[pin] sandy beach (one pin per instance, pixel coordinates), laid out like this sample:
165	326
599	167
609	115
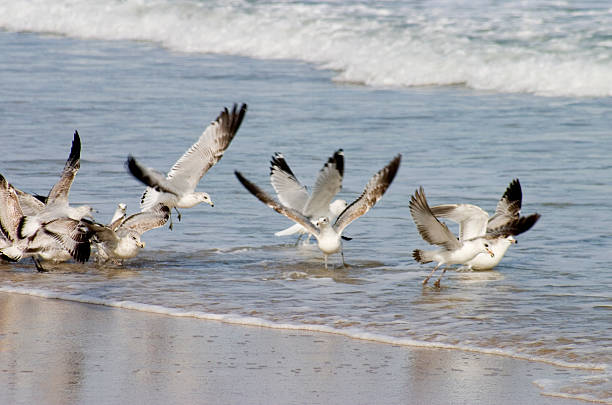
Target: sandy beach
59	352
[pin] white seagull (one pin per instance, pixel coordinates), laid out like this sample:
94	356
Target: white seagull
121	239
56	241
177	188
119	214
507	217
293	194
453	251
56	204
329	236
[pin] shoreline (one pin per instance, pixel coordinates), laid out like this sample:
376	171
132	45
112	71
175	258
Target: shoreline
57	351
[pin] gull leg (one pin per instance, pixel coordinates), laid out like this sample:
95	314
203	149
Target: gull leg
38	265
342	254
325	261
178	213
298	239
170	226
431	274
437	283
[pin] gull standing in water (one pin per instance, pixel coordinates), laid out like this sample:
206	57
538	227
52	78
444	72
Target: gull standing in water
121	238
56	240
329	236
56	204
453	251
293	194
507	217
177	188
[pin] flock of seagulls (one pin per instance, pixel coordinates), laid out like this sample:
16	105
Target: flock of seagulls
50	230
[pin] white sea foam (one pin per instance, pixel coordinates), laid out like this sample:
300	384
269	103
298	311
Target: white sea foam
548	49
353	333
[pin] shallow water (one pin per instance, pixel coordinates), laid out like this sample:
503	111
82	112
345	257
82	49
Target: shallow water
548	300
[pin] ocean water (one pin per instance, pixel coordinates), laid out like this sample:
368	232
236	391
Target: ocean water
473	94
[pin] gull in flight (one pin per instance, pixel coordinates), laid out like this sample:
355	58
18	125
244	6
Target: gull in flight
55	205
291	193
434	232
474	221
56	240
121	238
329	236
177	188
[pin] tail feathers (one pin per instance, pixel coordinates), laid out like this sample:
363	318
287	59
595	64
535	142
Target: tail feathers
296	228
421	256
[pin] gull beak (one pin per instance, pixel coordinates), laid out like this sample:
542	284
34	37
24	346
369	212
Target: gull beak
212	204
489	252
142	245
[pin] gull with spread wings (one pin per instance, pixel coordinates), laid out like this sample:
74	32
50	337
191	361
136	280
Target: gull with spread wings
177	188
434	232
55	205
474	221
293	194
329	236
120	239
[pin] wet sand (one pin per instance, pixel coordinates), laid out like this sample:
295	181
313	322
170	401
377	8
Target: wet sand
59	352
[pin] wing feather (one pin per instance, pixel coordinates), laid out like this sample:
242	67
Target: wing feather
327	185
59	192
209	148
509	206
147	220
472	219
290	213
373	191
10	210
289	190
430	228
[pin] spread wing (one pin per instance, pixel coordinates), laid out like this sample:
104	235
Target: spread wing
328	184
150	177
290	213
147	220
289	190
10	211
30	204
373	191
514	227
430	228
73	237
61	189
472	219
207	151
509	206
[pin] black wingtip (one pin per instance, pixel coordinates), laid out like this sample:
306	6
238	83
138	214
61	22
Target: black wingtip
514	193
75	151
338	159
278	162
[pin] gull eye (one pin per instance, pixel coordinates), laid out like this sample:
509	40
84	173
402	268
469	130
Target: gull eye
486	245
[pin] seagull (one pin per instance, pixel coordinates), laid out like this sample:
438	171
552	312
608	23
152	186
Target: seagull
177	188
507	216
121	239
453	251
329	236
293	194
56	241
55	205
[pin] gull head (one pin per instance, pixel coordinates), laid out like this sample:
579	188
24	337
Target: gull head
337	207
322	222
204	197
136	238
